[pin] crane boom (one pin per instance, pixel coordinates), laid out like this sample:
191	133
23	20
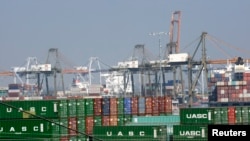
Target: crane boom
225	61
72	71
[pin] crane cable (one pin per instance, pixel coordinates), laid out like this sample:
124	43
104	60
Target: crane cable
214	41
245	51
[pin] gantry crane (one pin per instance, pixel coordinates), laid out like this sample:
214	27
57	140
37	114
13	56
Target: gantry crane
174	46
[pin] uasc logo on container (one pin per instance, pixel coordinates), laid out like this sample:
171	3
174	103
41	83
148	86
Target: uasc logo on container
130	133
199	116
193	133
39	128
20	109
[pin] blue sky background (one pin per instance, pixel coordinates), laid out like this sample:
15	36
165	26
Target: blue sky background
110	29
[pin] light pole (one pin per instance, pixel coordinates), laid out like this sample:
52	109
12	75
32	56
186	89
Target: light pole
159	34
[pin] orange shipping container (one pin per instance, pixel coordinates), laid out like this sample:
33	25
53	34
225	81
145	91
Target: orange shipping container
89	120
148	104
105	120
72	125
113	120
97	106
231	115
161	105
168	104
113	106
134	106
155	106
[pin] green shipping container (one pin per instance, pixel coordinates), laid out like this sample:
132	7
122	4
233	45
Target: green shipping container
221	115
29	109
238	115
159	120
224	115
120	120
190	133
127	119
80	107
167	120
120	106
217	116
97	121
245	110
29	129
71	108
89	107
81	124
64	126
63	108
129	133
196	115
83	138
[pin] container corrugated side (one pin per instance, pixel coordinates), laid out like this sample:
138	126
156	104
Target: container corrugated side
80	107
190	132
81	124
127	105
89	107
72	107
63	108
29	109
196	115
29	129
129	133
156	119
120	106
106	106
167	120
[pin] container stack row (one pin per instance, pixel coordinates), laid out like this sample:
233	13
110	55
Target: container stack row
194	121
228	88
73	118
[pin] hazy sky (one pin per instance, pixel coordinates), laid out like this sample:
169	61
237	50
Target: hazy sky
109	29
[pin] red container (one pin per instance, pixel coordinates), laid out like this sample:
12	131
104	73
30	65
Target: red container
14	94
97	106
72	125
89	123
168	104
113	106
113	120
64	138
155	106
231	115
161	104
134	105
105	120
148	106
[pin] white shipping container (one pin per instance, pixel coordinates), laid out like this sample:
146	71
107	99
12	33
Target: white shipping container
180	57
239	68
41	67
14	91
128	64
45	67
223	100
19	69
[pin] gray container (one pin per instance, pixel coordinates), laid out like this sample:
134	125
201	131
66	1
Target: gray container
141	105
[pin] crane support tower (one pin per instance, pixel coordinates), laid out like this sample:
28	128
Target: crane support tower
53	59
174	38
174	47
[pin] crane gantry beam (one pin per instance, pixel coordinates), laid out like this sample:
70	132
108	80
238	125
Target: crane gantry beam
6	73
83	71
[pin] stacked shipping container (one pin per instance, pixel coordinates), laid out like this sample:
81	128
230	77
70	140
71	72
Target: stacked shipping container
74	118
194	121
230	87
